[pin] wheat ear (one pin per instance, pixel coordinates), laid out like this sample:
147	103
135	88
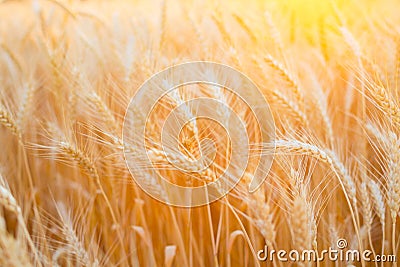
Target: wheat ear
226	37
328	156
25	106
245	27
300	219
385	102
379	207
87	165
393	182
391	145
290	106
10	203
366	206
95	100
74	243
286	76
7	121
274	32
8	200
12	252
264	218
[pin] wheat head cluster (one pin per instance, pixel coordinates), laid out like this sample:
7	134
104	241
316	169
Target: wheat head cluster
330	71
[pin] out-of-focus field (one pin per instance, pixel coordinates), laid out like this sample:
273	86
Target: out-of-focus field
330	71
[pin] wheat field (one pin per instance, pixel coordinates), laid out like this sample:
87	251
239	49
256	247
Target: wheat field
329	70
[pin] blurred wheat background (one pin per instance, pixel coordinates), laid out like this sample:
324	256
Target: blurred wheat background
330	71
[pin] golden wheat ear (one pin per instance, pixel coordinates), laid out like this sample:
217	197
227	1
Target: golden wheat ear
9	202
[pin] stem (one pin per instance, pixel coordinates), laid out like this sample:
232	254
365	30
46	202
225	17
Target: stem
372	246
29	239
353	217
394	240
244	230
113	217
383	242
180	239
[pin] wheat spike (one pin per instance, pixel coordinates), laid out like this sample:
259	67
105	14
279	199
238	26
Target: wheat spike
7	121
80	158
301	223
328	156
366	206
378	200
8	200
291	107
285	75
